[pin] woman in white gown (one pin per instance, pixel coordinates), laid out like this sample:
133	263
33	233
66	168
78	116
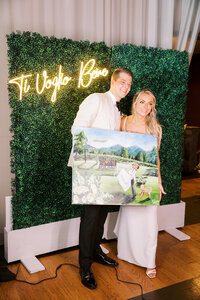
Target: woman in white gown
136	226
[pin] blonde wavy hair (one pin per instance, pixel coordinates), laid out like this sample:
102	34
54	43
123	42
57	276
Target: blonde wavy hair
152	125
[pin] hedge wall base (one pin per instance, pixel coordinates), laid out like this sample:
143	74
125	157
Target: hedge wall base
25	244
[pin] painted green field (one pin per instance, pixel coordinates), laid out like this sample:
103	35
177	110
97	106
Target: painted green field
108	181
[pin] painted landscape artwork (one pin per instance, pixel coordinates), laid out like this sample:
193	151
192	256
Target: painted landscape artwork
114	168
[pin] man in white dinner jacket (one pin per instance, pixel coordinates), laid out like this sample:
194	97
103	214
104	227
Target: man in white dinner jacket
99	110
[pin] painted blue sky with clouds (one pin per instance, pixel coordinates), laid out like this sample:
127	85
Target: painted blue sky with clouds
100	138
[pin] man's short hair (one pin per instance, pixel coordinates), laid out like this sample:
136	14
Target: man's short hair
117	72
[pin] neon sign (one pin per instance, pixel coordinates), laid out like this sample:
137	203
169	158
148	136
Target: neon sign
56	82
92	73
87	74
21	84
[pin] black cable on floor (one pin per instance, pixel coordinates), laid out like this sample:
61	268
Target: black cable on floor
72	265
34	283
130	282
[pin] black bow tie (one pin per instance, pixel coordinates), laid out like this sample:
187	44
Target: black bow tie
118	105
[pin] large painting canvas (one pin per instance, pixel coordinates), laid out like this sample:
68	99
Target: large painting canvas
114	168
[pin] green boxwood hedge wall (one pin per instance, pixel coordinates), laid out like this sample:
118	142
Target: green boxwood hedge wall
41	143
165	73
41	129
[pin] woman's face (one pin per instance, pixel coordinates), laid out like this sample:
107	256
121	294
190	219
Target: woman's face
144	105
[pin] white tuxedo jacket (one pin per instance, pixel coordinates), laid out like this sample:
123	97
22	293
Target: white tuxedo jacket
98	110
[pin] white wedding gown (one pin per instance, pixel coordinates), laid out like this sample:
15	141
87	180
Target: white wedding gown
137	232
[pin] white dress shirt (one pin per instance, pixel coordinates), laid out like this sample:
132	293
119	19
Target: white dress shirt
98	110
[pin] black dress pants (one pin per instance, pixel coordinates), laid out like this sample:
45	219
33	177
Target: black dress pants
91	232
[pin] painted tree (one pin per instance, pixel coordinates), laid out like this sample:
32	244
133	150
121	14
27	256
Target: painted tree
145	157
124	152
80	141
139	156
153	156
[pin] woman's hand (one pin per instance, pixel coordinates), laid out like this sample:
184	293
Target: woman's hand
161	191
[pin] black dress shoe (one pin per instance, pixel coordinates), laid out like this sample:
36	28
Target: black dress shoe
105	260
87	279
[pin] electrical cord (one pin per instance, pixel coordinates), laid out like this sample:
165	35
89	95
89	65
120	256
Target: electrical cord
130	282
72	265
45	279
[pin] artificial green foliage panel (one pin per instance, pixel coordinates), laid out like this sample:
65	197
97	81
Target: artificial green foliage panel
165	73
41	142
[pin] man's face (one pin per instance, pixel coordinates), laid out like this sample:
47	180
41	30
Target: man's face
121	87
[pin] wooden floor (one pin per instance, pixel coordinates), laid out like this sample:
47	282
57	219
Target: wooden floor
176	262
190	194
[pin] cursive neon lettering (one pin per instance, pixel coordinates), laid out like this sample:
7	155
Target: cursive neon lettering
48	83
19	81
88	73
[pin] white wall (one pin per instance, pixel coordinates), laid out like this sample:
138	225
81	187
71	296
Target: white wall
5	135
